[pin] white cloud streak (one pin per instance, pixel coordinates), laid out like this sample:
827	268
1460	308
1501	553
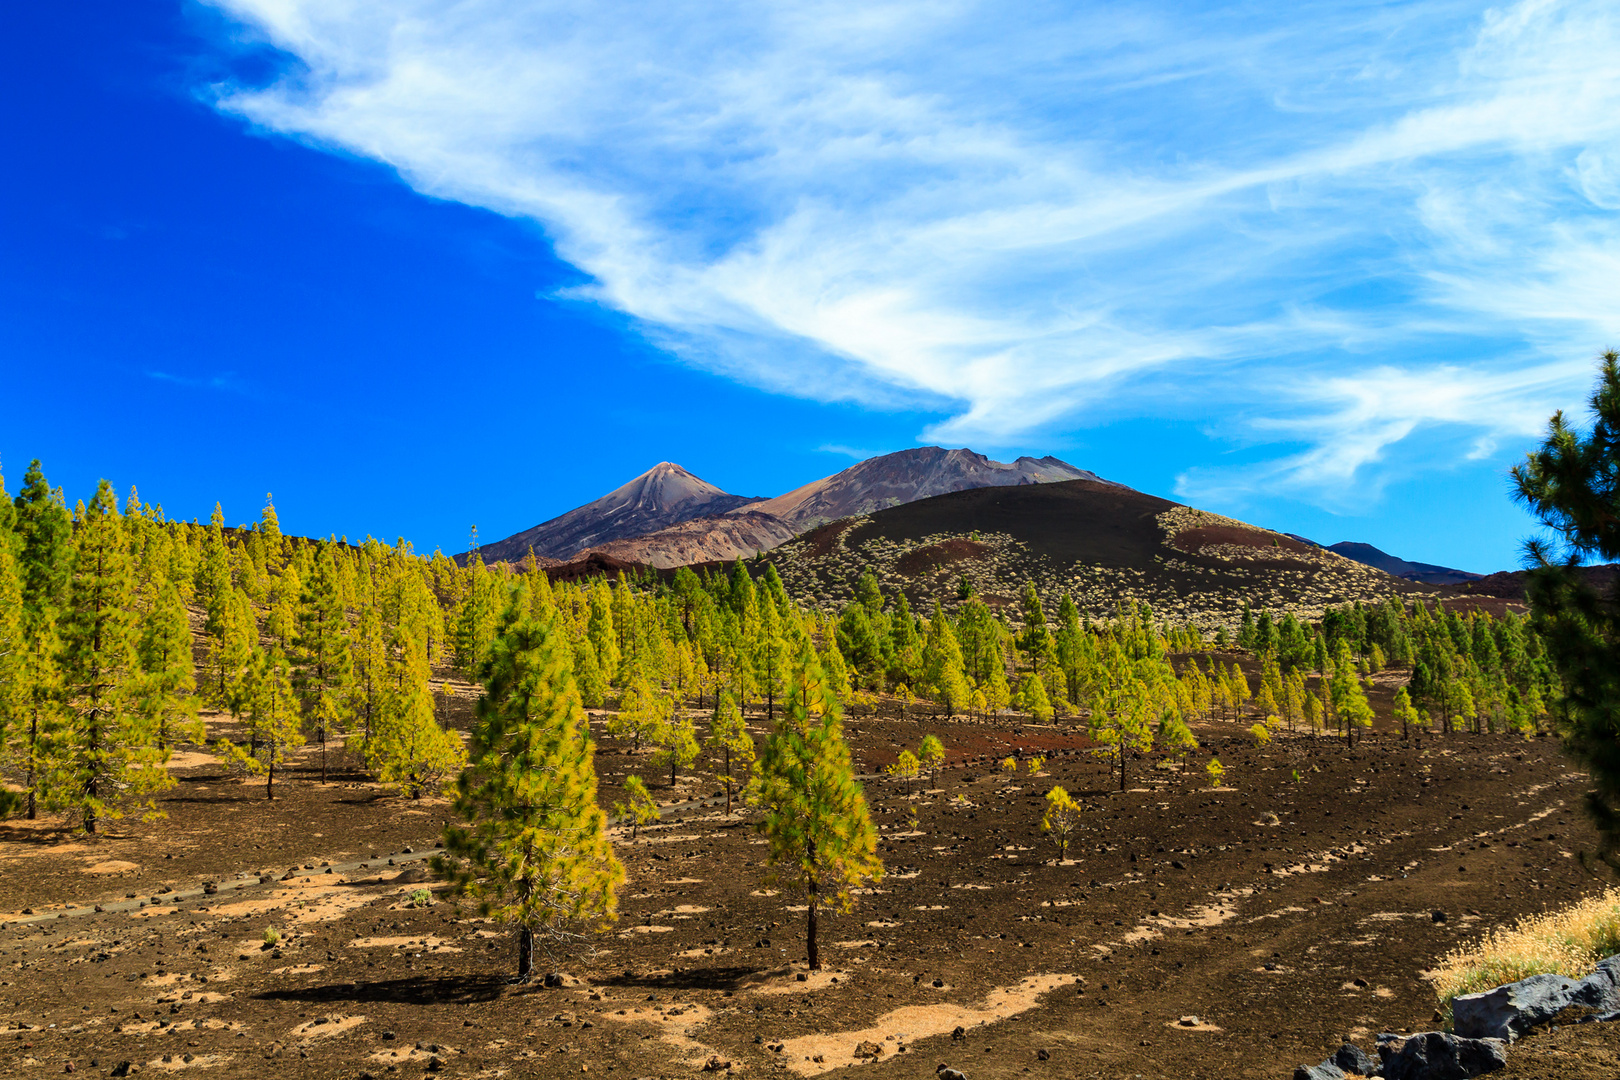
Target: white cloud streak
1333	231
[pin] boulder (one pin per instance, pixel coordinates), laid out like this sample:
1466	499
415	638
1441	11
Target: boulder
1435	1055
1348	1060
1509	1011
1600	990
1325	1071
1355	1061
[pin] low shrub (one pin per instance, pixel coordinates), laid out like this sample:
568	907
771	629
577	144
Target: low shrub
1566	942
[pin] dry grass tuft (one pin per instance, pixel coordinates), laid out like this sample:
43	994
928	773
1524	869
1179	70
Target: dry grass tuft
1566	942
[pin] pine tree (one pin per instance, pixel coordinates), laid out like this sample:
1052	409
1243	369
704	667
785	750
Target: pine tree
906	769
1036	636
165	692
1061	819
677	744
1404	712
1120	722
410	751
271	718
1032	696
638	805
729	738
325	664
14	675
44	547
1349	702
105	754
534	849
819	834
643	715
931	754
368	688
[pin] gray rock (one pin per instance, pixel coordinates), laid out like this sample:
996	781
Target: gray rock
1601	989
1325	1071
1355	1061
1509	1011
1435	1055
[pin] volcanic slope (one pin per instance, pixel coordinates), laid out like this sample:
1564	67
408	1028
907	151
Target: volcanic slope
664	495
1401	568
1100	542
890	480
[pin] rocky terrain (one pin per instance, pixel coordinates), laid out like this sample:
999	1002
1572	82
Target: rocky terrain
1193	933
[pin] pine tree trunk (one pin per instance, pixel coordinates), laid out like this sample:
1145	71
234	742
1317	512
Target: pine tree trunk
270	781
812	950
33	749
525	954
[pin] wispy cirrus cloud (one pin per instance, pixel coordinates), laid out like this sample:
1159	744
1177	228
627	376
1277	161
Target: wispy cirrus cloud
1332	231
225	380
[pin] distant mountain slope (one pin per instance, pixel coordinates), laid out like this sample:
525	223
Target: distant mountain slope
1509	584
906	476
1103	543
668	517
740	534
1428	573
664	495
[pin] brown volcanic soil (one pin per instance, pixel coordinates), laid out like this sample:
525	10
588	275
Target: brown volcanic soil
1281	938
1101	543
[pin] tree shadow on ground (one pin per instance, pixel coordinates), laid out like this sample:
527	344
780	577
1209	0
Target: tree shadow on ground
715	978
445	989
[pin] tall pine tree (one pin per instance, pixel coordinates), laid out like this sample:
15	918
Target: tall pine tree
533	848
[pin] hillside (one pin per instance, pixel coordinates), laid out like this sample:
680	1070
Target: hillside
667	517
907	476
664	495
1395	566
1101	542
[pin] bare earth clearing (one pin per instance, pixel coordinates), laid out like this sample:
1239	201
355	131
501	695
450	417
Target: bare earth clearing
1283	915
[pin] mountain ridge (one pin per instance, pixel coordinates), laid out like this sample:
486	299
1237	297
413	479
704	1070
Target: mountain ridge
669	517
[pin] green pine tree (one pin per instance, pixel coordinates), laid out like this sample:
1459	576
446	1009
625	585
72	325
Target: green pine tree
410	751
1568	484
820	837
106	756
165	694
43	536
275	727
534	849
325	667
730	740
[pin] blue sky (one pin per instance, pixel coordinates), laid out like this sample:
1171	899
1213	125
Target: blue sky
429	264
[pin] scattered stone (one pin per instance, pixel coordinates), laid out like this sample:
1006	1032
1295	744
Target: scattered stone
1507	1012
210	888
415	875
1437	916
1325	1071
1043	1055
939	984
1435	1055
959	1034
714	1064
802	977
553	981
1355	1061
124	1068
943	1072
868	1049
1188	1021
